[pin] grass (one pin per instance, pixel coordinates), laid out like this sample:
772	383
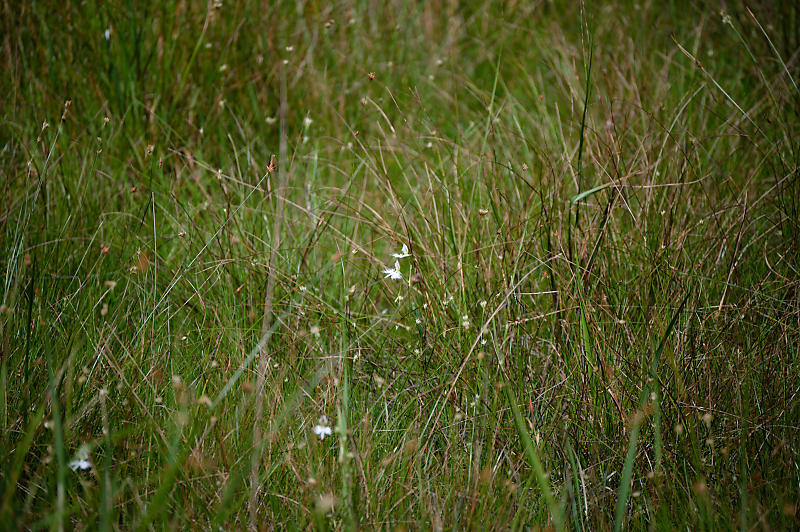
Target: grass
598	320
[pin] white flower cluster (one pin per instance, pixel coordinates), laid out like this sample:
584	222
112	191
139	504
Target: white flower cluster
394	273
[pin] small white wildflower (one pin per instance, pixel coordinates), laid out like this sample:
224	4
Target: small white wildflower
290	48
81	460
403	253
483	304
465	321
307	121
394	273
322	428
223	67
315	330
271	120
107	34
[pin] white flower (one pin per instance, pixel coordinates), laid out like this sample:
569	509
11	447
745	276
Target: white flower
107	34
307	121
403	253
83	465
81	460
322	429
394	273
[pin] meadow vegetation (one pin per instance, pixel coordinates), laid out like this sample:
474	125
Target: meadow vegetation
386	265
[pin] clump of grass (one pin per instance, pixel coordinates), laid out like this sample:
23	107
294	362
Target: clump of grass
387	266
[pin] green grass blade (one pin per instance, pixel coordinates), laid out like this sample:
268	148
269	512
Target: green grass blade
533	456
630	455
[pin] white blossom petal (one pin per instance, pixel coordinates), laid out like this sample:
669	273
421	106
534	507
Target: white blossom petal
394	273
83	465
322	429
403	253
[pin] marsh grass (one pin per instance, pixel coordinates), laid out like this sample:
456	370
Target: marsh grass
596	326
